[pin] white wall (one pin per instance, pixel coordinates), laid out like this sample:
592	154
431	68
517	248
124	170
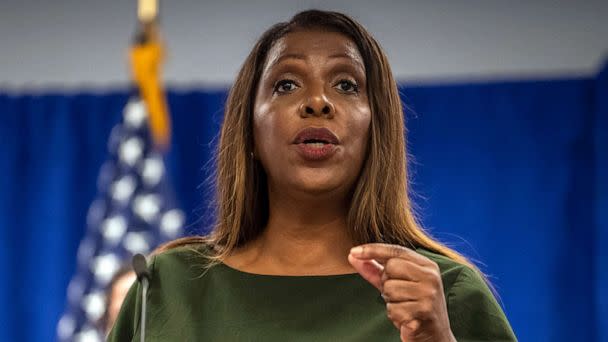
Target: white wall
78	44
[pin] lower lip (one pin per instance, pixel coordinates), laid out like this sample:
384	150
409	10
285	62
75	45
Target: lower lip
314	153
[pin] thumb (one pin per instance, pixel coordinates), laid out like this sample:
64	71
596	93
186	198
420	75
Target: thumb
369	269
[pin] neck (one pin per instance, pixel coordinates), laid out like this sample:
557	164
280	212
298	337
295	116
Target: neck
306	235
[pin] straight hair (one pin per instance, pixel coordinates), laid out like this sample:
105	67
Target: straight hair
380	210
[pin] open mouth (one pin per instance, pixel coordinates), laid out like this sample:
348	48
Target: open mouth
316	143
314	136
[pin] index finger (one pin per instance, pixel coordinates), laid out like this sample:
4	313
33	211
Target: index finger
381	252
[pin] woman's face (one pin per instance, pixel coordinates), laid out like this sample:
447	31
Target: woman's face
311	113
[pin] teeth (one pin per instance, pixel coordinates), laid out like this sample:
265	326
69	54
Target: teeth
316	144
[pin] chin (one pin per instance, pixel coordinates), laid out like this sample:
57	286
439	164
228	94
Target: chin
316	189
314	181
318	185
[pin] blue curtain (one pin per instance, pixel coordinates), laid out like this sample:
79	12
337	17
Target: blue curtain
514	174
600	205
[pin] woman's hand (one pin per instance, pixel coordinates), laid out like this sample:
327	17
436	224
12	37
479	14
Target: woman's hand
411	286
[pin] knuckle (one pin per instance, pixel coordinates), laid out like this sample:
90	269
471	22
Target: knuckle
364	249
426	308
391	263
434	277
395	251
436	281
391	267
432	293
404	317
434	265
389	288
393	313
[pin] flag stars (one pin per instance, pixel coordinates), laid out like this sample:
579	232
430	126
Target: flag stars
88	334
106	174
135	114
131	151
66	327
94	305
96	212
123	189
75	290
116	137
171	222
86	250
147	206
114	228
132	214
152	171
136	243
104	267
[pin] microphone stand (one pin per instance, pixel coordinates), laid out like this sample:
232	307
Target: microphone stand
143	276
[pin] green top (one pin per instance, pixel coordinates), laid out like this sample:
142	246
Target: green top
185	303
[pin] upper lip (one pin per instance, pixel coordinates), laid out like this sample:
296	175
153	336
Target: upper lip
316	133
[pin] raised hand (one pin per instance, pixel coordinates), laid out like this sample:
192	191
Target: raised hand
411	287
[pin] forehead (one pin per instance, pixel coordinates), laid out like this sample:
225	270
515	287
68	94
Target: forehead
312	44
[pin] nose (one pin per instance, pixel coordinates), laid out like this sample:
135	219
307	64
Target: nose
317	105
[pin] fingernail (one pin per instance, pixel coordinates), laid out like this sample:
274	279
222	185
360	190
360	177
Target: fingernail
356	250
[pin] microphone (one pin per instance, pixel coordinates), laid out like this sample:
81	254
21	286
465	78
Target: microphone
140	267
143	276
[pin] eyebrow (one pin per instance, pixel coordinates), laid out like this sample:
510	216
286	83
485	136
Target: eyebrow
286	56
349	56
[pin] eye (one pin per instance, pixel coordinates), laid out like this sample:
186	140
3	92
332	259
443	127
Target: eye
348	86
285	86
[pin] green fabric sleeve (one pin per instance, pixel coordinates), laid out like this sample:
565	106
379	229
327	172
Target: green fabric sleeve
475	315
125	323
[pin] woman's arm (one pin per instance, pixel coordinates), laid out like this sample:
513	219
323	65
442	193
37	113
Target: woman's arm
426	301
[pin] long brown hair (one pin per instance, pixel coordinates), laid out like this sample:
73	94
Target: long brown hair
380	210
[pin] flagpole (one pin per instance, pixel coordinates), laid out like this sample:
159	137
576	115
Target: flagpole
146	57
134	209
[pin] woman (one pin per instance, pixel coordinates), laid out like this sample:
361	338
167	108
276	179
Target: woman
315	237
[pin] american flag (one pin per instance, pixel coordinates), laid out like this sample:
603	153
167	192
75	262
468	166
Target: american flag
133	212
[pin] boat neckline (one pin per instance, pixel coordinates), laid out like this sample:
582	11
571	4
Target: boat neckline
288	276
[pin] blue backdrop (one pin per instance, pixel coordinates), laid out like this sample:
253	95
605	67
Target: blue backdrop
514	174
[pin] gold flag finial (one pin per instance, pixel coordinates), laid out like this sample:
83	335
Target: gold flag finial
147	10
146	57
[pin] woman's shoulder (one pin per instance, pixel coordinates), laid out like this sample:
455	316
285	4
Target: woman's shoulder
175	269
451	270
181	258
474	312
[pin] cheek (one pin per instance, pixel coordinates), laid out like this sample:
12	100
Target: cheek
360	126
273	124
270	131
262	127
